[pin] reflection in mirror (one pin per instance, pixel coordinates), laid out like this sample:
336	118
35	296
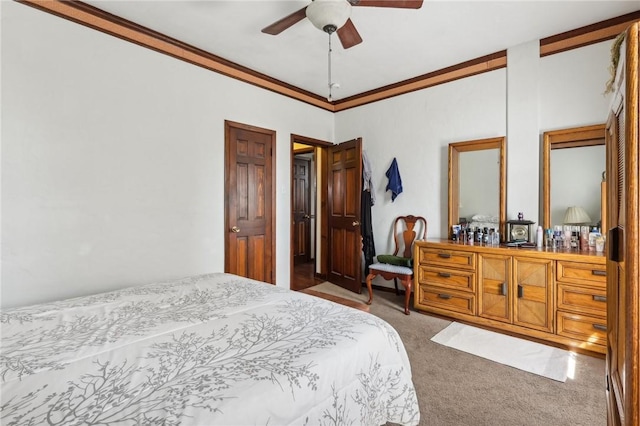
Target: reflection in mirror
477	183
573	165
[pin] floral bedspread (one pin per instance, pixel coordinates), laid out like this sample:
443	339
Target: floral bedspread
213	349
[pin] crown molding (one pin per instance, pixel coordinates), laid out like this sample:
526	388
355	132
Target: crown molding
97	19
590	34
480	65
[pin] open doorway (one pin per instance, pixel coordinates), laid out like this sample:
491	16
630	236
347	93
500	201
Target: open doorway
308	220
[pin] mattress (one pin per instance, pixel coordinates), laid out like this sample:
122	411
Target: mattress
214	349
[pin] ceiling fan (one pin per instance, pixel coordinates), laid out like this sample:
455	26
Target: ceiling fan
333	15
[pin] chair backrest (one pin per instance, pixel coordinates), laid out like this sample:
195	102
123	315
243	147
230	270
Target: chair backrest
409	235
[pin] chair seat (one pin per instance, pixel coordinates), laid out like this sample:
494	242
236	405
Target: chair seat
394	269
395	260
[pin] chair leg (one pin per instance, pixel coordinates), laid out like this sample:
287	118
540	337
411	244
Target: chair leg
407	282
395	281
370	278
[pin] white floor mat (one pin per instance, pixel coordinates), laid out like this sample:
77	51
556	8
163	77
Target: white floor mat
523	354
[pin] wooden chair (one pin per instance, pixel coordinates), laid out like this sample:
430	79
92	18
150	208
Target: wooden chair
399	267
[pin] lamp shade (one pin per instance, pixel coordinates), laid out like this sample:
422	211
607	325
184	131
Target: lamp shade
328	15
576	215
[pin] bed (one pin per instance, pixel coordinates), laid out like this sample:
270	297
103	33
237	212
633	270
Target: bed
214	349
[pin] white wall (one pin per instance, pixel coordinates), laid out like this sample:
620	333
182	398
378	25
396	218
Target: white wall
416	129
113	160
571	87
112	154
522	134
531	96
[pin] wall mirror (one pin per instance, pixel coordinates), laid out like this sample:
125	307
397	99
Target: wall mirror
477	183
573	164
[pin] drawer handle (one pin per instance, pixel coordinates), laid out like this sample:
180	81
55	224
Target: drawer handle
444	296
444	274
520	291
600	298
444	255
503	289
600	327
599	273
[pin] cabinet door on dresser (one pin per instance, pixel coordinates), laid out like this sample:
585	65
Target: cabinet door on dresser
494	287
533	285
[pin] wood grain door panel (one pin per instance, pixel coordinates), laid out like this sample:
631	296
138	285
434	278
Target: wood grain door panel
533	292
495	295
249	217
301	210
344	193
615	358
623	239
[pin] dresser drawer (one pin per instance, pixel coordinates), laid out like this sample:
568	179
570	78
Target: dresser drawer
449	258
448	278
581	273
582	327
592	301
464	303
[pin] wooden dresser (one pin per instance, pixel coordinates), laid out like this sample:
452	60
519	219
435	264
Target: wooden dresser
555	296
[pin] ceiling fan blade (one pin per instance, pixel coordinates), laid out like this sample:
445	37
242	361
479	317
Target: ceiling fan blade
400	4
284	23
348	35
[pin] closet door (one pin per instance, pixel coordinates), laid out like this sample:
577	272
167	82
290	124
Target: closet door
623	244
615	362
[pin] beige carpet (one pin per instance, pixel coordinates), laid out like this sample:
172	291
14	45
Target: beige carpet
334	298
455	388
332	289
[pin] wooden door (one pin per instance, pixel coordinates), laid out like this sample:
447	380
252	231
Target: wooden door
301	210
623	242
249	195
533	293
495	293
344	192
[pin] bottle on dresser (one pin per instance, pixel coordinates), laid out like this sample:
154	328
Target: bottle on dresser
539	237
593	235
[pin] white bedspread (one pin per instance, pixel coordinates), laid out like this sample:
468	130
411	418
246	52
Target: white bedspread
214	349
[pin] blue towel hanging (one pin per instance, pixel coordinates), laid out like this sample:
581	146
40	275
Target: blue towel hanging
395	182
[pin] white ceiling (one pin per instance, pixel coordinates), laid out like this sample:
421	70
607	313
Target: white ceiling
398	44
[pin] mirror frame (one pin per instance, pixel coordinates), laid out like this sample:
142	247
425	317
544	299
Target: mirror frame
454	176
566	138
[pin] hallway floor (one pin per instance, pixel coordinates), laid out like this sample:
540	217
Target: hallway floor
304	276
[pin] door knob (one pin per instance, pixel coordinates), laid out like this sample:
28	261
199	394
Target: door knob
355	223
235	229
306	216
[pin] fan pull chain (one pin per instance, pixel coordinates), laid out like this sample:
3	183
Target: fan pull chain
330	85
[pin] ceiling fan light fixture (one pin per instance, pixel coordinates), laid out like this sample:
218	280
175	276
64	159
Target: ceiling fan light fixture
328	15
